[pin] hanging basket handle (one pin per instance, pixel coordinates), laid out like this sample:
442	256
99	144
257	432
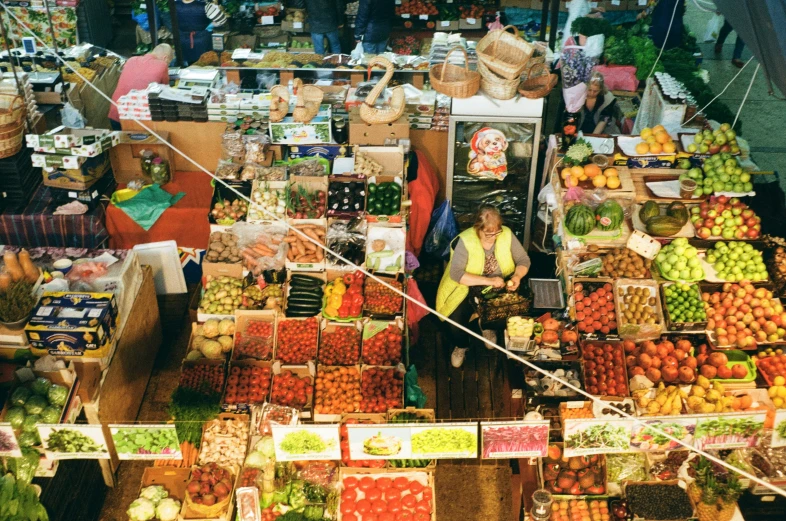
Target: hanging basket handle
445	64
499	33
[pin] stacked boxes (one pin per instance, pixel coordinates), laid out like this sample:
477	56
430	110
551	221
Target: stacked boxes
163	109
134	105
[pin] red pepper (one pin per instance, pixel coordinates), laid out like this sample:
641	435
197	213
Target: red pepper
354	289
356	299
355	309
343	312
359	277
349	279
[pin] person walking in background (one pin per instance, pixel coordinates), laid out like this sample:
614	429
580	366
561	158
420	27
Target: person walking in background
739	45
138	73
325	17
372	25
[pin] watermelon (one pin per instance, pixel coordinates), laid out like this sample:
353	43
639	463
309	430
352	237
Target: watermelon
609	215
580	220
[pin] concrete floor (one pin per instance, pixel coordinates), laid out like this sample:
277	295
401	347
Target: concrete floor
761	113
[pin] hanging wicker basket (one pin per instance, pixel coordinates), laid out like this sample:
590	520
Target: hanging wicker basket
452	80
378	115
496	86
538	83
11	109
279	103
309	99
11	141
504	53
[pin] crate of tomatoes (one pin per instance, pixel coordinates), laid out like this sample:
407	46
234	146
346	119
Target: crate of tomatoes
255	335
380	301
293	386
382	342
339	344
336	392
382	388
297	340
405	494
248	384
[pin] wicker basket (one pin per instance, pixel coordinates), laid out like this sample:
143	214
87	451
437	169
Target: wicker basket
309	98
539	82
11	141
494	86
504	53
11	108
279	109
452	80
376	115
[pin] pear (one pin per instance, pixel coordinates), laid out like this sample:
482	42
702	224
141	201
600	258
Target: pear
703	382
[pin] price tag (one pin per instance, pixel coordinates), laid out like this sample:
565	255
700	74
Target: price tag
398	2
405	15
449	1
267	20
642	2
471	21
297	25
616	2
574	405
423	17
240	54
444	23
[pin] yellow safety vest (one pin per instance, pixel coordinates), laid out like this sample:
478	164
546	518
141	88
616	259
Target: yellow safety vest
450	293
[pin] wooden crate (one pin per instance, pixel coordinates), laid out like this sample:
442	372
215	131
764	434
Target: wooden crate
126	155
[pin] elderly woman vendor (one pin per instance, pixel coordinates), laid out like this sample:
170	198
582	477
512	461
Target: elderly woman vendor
487	254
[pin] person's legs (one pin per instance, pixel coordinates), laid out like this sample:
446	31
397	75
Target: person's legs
457	337
335	42
369	48
381	46
739	45
722	35
318	39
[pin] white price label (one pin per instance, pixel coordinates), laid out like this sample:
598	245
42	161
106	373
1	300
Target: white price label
642	2
268	20
405	15
616	2
471	20
398	2
297	25
444	23
423	17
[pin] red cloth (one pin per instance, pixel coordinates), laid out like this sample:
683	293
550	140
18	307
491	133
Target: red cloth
619	77
186	222
422	192
414	312
138	73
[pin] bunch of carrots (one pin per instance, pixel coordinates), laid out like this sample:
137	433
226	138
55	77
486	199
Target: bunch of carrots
190	454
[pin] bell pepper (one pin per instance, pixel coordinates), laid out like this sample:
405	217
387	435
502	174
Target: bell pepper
335	301
338	287
343	310
354	289
349	279
331	311
355	309
359	277
356	299
329	290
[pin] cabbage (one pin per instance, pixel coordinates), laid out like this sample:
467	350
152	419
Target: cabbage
35	404
28	439
154	493
20	396
51	414
266	447
41	386
141	510
256	460
30	422
168	509
15	415
57	395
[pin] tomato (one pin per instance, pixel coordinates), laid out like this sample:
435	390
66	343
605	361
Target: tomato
423	506
394	505
373	494
349	517
363	506
392	494
370	517
350	483
349	495
405	516
347	507
415	487
421	516
400	483
384	483
366	483
427	493
409	501
386	516
379	506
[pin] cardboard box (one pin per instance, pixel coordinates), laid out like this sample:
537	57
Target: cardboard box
73	324
174	480
447	25
471	23
295	27
79	178
376	180
301	40
333	418
242	320
126	155
362	133
245	368
301	371
275	42
290	132
70	141
331	327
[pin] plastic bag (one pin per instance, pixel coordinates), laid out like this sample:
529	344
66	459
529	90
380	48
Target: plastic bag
594	46
713	28
414	395
357	53
575	97
71	117
257	241
442	230
348	239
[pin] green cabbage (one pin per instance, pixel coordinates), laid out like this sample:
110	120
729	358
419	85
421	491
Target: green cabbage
20	396
41	386
51	414
154	493
35	404
15	415
30	422
57	395
168	509
28	439
141	510
266	447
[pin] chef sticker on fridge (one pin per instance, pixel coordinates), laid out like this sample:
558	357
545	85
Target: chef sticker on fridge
487	157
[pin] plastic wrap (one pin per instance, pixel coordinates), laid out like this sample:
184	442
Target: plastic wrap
227	170
348	239
232	145
261	246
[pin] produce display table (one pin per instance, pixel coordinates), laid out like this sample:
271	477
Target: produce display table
37	226
185	222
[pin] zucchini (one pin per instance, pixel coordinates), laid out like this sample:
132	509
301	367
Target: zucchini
305	280
307	292
304	303
301	313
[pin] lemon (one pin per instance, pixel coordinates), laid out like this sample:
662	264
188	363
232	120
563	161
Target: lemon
781	392
772	392
779	380
777	402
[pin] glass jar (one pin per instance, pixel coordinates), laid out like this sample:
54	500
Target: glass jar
340	131
570	128
159	171
147	157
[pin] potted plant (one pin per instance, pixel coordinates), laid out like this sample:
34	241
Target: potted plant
715	491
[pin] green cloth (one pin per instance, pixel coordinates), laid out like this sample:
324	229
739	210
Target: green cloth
147	206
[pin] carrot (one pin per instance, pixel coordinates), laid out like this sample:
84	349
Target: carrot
290	239
320	255
263	250
312	234
250	260
291	254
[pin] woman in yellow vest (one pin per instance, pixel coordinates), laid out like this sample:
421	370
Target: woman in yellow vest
485	255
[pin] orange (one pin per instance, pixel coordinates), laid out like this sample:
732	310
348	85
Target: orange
577	171
658	128
611	172
651	140
662	138
599	181
583	178
565	173
642	148
612	183
656	148
646	132
669	147
591	170
572	181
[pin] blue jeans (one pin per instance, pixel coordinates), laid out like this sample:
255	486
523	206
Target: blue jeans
375	47
318	39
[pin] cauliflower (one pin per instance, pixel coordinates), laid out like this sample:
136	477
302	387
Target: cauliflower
226	327
154	493
168	509
141	510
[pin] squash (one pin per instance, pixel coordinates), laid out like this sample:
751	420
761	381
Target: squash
679	211
649	210
664	226
30	270
12	266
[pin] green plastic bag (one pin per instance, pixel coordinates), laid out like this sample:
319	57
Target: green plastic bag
413	393
147	206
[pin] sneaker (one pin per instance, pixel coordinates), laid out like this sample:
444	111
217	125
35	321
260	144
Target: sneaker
738	63
491	336
457	358
718	48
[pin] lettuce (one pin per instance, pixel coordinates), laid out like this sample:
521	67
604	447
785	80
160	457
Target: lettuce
51	414
57	395
41	386
35	404
154	493
20	396
15	415
141	510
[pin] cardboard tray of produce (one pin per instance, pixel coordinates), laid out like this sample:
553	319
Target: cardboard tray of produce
673	482
689	327
424	476
639	332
